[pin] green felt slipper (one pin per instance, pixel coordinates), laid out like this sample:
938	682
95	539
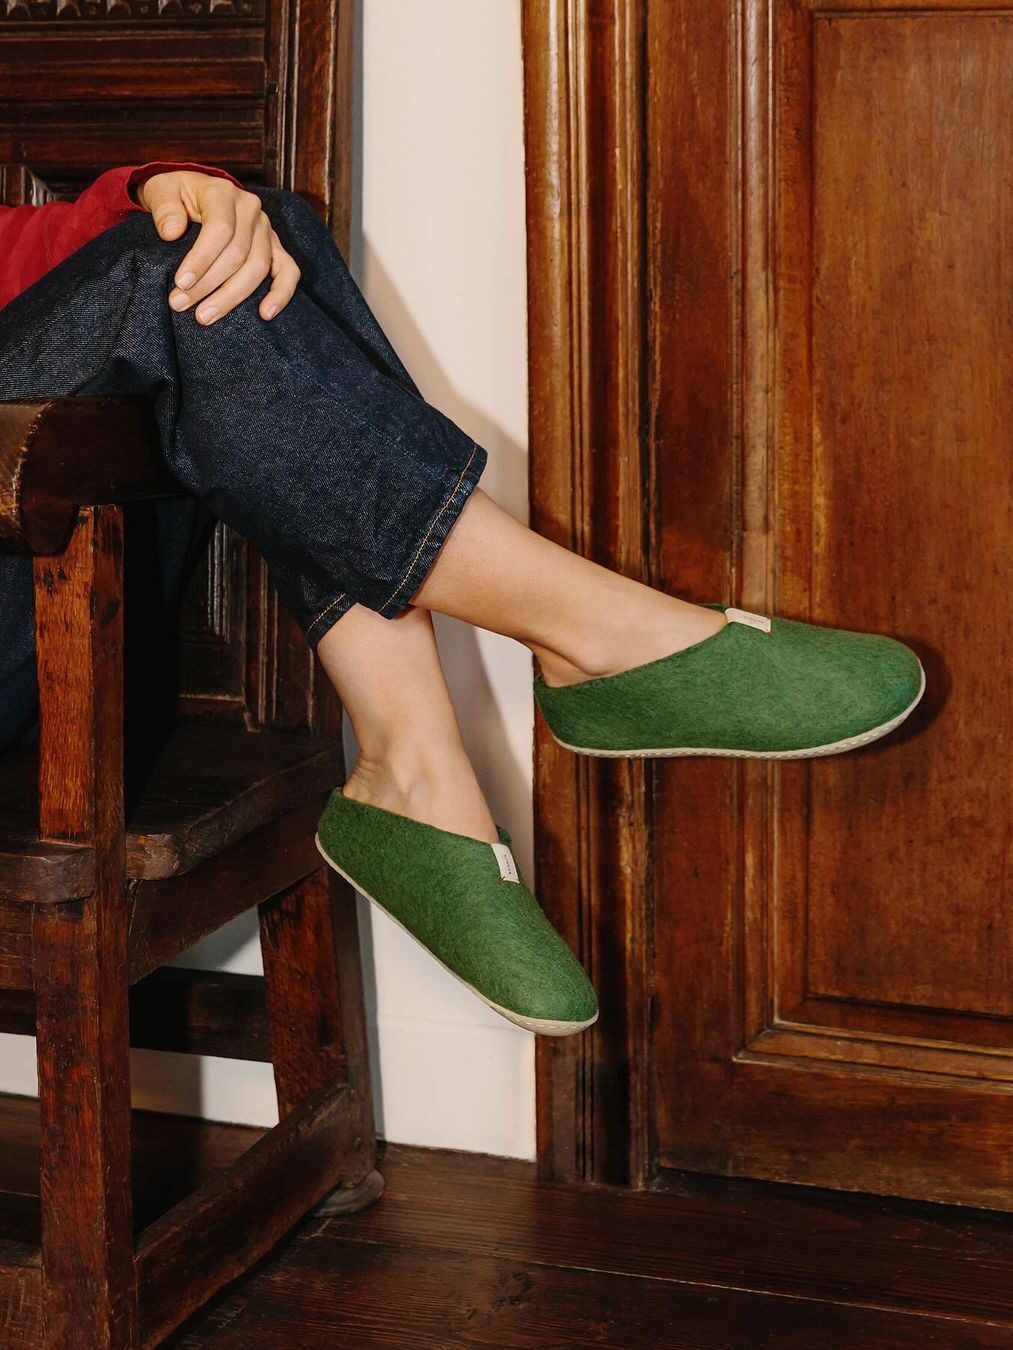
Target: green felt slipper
758	689
466	903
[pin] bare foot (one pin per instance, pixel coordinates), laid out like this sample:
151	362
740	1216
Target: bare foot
430	787
652	625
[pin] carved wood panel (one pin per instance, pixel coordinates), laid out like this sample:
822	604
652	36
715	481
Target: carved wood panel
39	11
259	87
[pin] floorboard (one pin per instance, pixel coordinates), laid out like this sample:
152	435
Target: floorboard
474	1251
331	1291
465	1250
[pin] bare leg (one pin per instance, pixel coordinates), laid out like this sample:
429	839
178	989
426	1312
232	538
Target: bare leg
411	759
579	619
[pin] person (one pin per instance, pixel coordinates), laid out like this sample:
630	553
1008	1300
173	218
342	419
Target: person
284	411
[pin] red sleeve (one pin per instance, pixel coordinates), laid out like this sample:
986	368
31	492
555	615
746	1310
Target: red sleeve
34	239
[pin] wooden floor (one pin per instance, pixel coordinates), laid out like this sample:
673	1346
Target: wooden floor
473	1251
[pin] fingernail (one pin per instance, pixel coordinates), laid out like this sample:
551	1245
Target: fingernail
270	311
185	281
208	314
179	300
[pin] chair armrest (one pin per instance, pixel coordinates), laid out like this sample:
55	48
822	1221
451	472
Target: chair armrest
59	454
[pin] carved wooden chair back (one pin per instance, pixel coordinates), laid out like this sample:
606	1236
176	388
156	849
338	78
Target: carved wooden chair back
261	88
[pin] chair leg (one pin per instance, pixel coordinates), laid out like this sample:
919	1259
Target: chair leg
80	949
313	976
84	1098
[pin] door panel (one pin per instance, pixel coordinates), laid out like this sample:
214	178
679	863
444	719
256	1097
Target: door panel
833	941
912	491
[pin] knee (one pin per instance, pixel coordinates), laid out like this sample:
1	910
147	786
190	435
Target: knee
137	242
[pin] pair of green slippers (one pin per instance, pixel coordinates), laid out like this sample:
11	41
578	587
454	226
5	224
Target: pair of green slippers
759	689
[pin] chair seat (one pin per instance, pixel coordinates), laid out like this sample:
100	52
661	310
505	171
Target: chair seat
209	786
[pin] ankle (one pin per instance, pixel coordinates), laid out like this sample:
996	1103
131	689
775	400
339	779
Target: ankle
402	772
655	628
558	670
436	786
596	654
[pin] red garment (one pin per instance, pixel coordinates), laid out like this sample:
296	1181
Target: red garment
35	238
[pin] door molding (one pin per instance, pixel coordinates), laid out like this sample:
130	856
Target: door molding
590	471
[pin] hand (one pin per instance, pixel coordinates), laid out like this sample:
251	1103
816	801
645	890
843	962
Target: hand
234	251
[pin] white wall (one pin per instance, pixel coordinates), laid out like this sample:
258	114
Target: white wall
442	263
439	252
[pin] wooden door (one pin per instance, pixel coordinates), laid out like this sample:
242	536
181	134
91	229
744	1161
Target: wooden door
820	201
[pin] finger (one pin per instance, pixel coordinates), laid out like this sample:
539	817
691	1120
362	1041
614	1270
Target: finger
167	207
231	255
240	285
217	212
286	274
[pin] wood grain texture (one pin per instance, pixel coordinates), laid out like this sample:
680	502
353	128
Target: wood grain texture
301	984
588	489
59	454
331	1289
197	1012
911	421
222	814
209	787
467	1250
80	950
263	90
313	984
37	872
171	1157
59	11
226	1224
825	405
169	915
711	524
866	940
15	946
471	1250
21	1306
203	789
201	1012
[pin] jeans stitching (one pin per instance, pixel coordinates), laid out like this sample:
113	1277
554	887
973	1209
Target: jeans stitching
325	611
432	526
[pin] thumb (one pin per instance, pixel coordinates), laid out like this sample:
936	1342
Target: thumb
168	210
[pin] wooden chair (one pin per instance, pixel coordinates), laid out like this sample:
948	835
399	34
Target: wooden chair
117	856
91	905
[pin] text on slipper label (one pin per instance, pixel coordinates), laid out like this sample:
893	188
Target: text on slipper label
507	867
759	621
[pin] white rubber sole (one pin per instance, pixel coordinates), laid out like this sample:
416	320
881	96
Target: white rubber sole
815	752
540	1026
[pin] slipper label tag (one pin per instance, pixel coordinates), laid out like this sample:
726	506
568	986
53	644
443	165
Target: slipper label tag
758	621
507	866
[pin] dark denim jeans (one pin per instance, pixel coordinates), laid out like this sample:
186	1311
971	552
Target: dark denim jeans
305	434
